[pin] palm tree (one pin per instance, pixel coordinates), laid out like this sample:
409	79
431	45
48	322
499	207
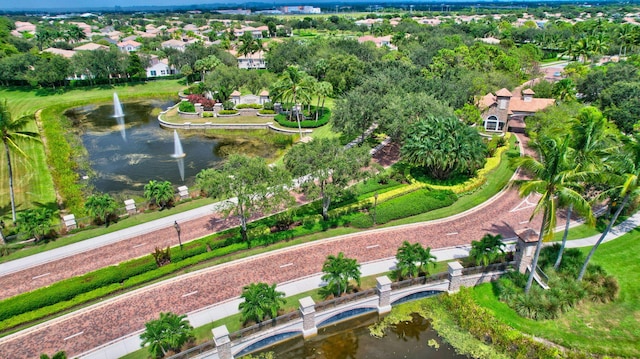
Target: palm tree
12	134
592	137
487	250
407	256
552	178
160	193
426	259
323	89
292	82
101	207
338	271
260	300
627	188
57	355
170	332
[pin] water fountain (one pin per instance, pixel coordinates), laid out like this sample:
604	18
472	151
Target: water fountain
119	115
178	153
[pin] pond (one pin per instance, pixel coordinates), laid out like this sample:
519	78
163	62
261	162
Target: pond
351	340
124	164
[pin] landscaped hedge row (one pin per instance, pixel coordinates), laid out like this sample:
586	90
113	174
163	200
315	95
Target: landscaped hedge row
248	105
283	120
417	202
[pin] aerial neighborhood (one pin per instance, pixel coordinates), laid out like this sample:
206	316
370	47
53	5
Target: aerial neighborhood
320	181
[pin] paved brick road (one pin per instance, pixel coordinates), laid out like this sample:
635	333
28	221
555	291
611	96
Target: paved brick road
101	323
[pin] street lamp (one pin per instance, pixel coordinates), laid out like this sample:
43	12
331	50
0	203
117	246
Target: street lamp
177	227
375	204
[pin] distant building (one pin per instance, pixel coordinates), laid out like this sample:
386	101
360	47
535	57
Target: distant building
91	47
379	41
305	9
250	61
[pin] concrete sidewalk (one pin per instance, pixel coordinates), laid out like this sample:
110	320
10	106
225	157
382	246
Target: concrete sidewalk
106	239
130	343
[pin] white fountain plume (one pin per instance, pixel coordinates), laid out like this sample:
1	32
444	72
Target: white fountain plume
178	153
119	115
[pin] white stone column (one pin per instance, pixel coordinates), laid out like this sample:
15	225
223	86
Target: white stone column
130	206
455	276
183	191
383	286
308	311
223	344
70	221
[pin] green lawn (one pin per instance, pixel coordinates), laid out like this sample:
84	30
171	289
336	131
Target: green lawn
606	329
33	183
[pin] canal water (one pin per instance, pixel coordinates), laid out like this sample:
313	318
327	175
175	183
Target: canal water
351	339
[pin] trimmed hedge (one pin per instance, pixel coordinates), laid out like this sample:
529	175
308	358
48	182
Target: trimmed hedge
248	105
228	112
186	106
283	120
414	203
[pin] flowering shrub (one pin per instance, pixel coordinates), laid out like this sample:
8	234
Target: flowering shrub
207	104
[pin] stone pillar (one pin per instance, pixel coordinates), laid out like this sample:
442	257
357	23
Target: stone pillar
130	206
308	311
183	191
70	222
199	109
223	344
455	276
525	248
383	285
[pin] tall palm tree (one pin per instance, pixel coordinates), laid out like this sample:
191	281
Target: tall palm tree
553	179
407	258
592	138
627	187
169	332
292	82
159	192
339	270
13	132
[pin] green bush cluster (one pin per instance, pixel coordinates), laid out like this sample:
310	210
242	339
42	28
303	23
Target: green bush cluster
207	114
186	106
228	112
414	203
283	120
267	112
61	155
483	325
565	291
228	105
248	105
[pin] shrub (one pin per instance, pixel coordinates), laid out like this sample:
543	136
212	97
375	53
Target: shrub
249	105
186	106
228	105
207	114
228	112
283	120
267	112
268	106
206	103
416	202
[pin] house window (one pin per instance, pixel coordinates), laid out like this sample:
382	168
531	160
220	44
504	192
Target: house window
153	73
492	124
502	104
163	72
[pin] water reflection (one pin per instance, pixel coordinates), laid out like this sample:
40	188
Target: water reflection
351	340
125	167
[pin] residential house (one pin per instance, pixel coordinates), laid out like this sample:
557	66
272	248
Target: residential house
379	41
159	67
504	111
250	61
174	44
129	46
90	46
64	53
